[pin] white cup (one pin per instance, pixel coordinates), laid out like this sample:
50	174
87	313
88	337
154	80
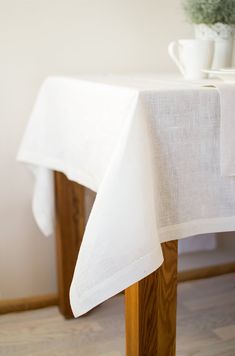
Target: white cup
192	56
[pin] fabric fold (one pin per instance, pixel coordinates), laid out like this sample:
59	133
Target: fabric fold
227	128
130	183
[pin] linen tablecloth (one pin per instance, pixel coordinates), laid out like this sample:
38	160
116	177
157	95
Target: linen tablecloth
227	128
151	151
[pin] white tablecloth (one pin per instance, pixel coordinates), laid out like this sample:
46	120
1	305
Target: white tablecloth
150	149
227	128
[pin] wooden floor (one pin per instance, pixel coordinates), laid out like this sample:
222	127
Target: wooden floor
205	326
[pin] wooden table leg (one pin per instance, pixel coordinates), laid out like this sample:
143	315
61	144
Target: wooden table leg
70	224
151	310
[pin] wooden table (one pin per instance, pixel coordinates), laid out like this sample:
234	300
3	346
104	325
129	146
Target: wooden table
150	304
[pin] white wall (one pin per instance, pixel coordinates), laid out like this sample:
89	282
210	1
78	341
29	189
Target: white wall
49	37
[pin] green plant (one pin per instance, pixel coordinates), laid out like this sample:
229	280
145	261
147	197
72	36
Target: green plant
210	11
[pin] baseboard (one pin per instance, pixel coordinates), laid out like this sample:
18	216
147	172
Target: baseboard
29	303
206	272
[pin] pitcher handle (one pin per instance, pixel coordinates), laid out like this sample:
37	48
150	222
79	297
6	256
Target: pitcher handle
172	50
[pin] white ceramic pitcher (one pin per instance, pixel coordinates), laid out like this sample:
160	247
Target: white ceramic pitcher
192	56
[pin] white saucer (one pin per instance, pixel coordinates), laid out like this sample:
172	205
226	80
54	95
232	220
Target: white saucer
226	74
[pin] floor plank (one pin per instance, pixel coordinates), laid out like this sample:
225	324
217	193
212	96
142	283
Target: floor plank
205	327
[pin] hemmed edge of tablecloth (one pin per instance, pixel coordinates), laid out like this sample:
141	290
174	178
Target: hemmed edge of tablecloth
78	176
145	265
116	283
196	227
